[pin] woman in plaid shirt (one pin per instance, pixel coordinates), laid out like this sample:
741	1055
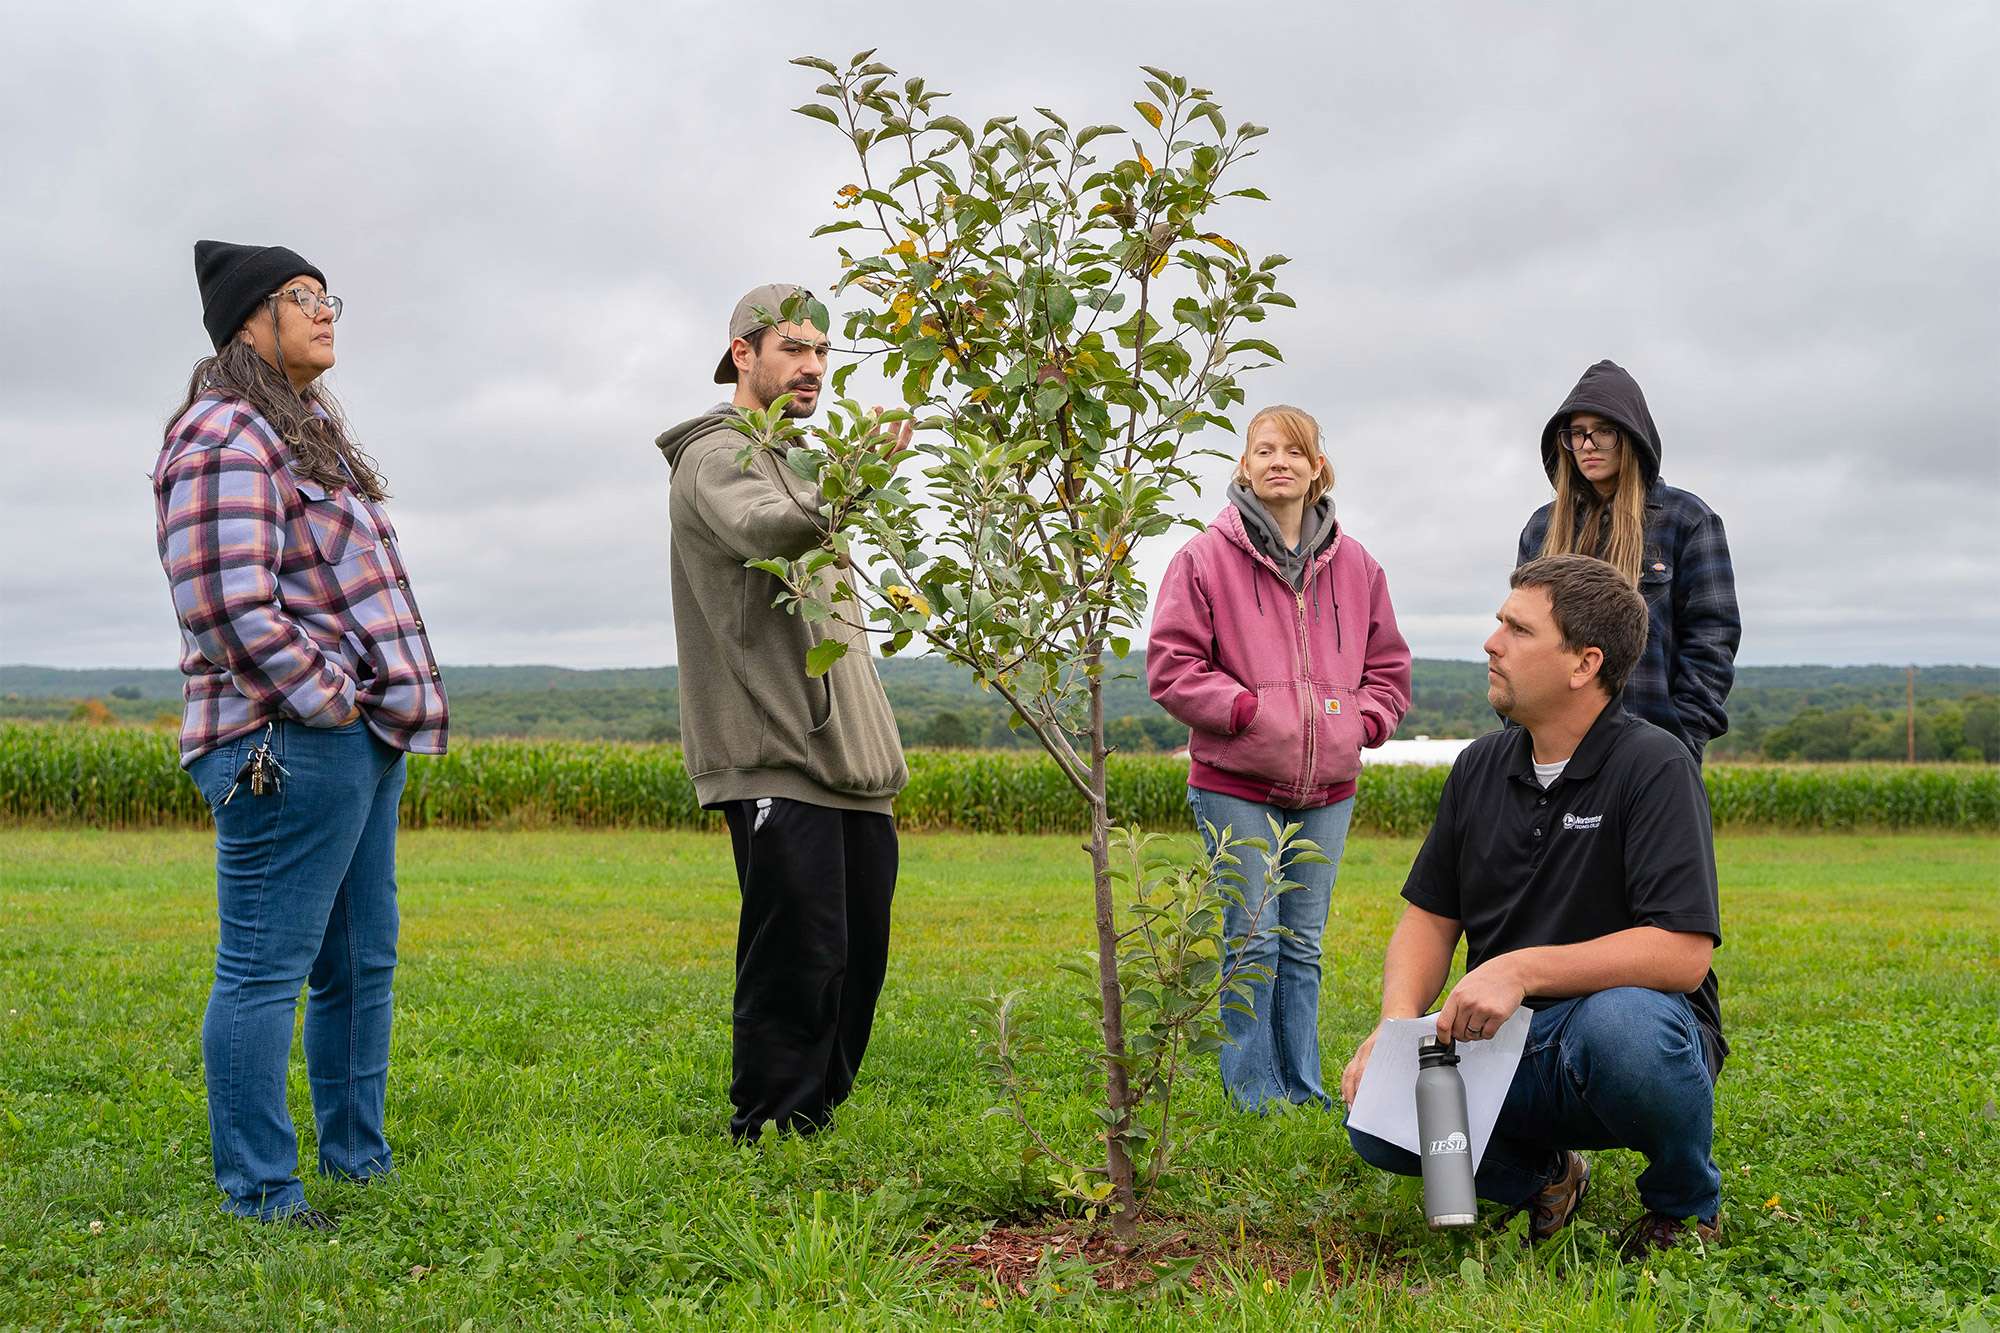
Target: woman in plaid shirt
1602	452
309	676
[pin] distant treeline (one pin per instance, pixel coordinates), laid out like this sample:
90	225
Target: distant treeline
1779	713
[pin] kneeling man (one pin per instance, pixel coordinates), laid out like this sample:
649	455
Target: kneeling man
1573	852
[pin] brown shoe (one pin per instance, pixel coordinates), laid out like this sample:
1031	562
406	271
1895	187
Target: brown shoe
1651	1232
1550	1210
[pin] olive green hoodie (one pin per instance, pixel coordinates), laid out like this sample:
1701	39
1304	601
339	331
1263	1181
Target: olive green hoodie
753	724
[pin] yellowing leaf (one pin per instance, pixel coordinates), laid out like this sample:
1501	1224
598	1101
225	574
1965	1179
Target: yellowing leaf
908	600
981	394
1149	111
1222	243
1145	163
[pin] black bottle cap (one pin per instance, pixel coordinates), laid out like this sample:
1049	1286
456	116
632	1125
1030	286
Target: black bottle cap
1435	1051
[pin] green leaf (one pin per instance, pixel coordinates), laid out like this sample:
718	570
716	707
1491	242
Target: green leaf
816	62
921	351
1049	399
953	125
822	656
818	112
1255	345
1061	303
832	227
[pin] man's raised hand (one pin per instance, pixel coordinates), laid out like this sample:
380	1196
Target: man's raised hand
1483	999
892	437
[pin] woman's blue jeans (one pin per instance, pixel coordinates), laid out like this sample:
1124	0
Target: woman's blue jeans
1622	1068
1273	1056
306	896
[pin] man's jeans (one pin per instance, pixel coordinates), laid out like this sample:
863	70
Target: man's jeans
1274	1056
306	892
1619	1069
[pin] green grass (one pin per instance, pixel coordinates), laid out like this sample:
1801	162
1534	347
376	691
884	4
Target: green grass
558	1094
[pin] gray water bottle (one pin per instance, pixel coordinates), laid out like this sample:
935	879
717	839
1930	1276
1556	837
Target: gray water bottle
1444	1134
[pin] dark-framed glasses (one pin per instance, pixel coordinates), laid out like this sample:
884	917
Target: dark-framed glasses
1604	437
310	301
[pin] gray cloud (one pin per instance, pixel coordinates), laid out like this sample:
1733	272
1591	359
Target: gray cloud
1778	216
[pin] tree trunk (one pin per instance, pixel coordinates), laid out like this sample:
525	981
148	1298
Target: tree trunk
1117	1091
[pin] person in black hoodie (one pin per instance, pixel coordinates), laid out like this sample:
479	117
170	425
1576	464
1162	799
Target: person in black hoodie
1602	452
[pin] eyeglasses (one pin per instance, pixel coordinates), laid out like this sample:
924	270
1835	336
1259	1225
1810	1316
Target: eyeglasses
310	301
1604	437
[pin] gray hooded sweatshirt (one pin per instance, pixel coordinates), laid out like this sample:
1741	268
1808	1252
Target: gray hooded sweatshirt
1316	529
753	724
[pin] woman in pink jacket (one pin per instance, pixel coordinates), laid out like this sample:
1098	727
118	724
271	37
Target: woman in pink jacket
1274	640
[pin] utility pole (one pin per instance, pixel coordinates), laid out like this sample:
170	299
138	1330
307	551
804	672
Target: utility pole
1910	713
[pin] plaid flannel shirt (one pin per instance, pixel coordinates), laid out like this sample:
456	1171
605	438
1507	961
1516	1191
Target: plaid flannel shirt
293	599
1682	681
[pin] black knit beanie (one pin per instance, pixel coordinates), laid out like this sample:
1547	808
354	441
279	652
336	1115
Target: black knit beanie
234	278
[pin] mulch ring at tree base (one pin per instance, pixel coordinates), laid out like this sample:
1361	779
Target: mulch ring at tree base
1015	1257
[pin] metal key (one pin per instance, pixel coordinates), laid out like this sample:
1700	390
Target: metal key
261	770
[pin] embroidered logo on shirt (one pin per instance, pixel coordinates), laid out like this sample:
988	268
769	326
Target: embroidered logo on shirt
1582	821
1333	707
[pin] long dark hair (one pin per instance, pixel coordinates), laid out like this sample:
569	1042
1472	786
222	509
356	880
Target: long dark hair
311	424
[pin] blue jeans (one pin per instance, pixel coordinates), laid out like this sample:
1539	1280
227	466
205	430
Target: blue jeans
306	895
1619	1069
1274	1056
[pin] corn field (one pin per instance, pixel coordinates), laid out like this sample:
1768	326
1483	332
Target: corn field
107	777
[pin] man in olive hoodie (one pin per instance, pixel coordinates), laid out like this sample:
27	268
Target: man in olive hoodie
804	769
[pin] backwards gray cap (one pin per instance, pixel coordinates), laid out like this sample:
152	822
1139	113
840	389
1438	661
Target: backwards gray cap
760	308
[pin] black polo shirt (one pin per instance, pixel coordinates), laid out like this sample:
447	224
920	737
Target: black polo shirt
1621	839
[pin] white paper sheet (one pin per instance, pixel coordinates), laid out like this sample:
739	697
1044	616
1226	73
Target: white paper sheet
1385	1104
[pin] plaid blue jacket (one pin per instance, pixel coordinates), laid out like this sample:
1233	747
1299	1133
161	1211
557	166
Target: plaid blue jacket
1682	681
292	598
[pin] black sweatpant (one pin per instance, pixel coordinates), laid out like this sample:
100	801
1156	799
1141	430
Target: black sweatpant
812	945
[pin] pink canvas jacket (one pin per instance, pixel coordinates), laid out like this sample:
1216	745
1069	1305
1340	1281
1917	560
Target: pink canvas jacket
1280	689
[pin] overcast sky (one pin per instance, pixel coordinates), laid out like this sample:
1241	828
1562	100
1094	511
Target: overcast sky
1780	218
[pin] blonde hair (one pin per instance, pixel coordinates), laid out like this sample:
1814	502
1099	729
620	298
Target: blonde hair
1584	523
1295	426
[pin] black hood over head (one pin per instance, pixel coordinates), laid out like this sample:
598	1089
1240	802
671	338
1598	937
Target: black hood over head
1610	391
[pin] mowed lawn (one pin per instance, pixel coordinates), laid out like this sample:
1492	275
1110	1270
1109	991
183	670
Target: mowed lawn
557	1100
